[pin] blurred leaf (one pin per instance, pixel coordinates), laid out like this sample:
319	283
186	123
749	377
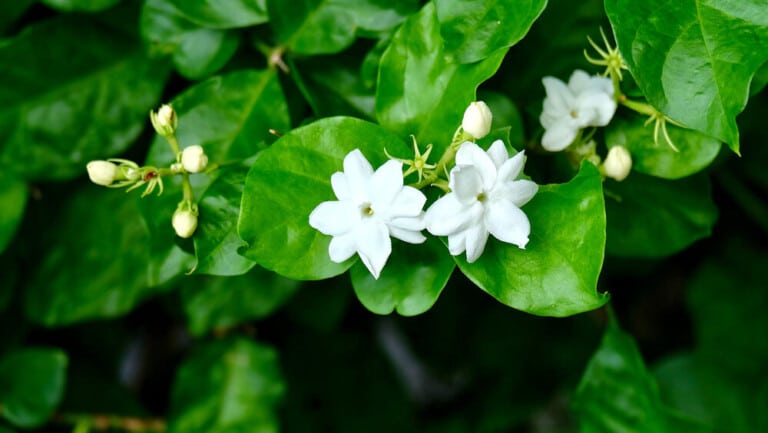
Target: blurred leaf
696	150
13	199
556	274
223	14
212	303
505	116
80	5
31	385
652	217
474	29
92	107
289	180
334	87
411	281
419	91
694	59
11	11
230	385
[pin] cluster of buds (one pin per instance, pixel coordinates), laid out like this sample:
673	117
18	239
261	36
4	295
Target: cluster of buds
118	173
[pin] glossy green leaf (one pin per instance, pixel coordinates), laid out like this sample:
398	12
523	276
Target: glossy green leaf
617	394
420	91
694	59
652	217
474	29
93	107
289	180
80	5
31	385
556	274
335	88
13	199
230	385
411	281
212	303
223	14
695	150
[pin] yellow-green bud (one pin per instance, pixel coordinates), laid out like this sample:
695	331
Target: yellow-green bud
194	159
618	163
164	121
102	172
184	222
477	120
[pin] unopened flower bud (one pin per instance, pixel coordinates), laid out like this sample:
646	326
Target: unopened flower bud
102	172
618	163
477	120
184	222
164	121
194	159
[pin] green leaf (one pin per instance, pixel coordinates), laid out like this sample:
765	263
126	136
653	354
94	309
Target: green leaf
556	274
11	11
212	303
289	180
411	281
13	199
93	107
474	29
420	91
617	394
230	385
652	217
31	385
334	87
223	14
80	5
696	150
694	59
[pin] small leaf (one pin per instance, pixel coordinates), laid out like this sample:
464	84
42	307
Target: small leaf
223	14
31	385
556	274
13	199
695	150
411	281
694	59
80	5
289	180
227	386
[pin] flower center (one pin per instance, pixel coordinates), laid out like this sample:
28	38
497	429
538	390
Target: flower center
366	209
574	114
481	197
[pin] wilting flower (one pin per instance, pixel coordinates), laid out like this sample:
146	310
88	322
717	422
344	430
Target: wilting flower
371	207
485	198
585	101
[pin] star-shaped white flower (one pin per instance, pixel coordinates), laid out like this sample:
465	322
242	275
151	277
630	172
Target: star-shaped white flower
485	198
585	101
371	207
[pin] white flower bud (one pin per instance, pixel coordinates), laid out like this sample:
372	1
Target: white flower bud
477	120
184	222
194	159
165	120
102	172
618	163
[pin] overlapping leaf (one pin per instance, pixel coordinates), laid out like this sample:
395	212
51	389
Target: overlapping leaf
31	385
223	14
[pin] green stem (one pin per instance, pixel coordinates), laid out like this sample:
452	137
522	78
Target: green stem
187	188
174	143
450	153
640	107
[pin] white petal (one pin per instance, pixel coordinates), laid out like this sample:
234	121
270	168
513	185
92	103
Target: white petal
410	236
477	237
334	217
498	153
340	186
508	223
358	171
409	202
457	243
511	168
579	82
601	107
467	183
385	184
558	137
409	223
559	98
471	154
518	192
374	246
447	216
342	247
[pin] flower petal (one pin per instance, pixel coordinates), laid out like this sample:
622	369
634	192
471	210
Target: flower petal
471	154
374	246
409	202
410	236
579	82
467	183
342	247
457	243
448	215
498	153
358	171
408	223
508	223
600	107
340	186
558	137
518	192
334	217
477	237
385	184
511	168
559	98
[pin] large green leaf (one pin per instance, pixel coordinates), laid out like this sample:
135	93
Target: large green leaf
223	14
80	5
420	91
212	303
13	198
289	180
652	217
474	29
11	11
227	386
92	107
31	385
694	59
556	274
411	281
334	87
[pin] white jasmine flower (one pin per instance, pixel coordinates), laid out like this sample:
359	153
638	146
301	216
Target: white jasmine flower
371	207
184	222
477	120
102	172
485	198
585	101
194	159
618	163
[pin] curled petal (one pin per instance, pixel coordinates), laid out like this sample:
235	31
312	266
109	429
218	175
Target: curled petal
477	237
374	246
508	223
334	217
386	183
471	154
358	171
342	247
447	215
